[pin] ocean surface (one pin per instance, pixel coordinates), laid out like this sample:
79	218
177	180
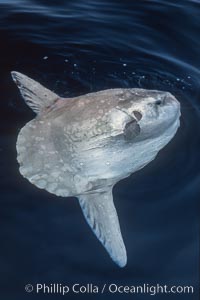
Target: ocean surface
76	47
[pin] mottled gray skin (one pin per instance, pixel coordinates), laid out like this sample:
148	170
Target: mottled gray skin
84	145
80	142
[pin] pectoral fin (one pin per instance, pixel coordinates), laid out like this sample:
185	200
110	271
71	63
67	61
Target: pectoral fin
101	215
131	130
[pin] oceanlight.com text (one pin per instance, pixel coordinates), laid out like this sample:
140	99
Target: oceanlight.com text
112	288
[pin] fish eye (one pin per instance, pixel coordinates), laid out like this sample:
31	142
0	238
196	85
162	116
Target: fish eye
158	102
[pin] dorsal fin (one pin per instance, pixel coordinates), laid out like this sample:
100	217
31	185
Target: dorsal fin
100	213
36	96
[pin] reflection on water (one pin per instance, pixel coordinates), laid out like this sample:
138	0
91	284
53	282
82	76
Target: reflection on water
74	47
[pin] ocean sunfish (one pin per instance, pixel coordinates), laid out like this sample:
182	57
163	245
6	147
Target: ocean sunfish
83	146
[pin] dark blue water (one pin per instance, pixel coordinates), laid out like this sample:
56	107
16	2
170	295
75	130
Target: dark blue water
75	47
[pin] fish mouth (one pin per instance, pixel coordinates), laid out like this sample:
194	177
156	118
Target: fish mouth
173	101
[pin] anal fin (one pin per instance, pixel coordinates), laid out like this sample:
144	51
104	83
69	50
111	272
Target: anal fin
100	213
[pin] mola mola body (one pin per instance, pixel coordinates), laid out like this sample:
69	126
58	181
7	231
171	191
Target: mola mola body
83	146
